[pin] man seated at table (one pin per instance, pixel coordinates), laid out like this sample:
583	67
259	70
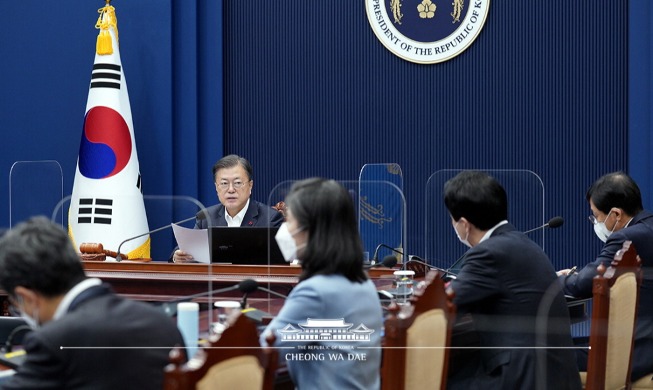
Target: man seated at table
508	286
618	215
233	178
84	336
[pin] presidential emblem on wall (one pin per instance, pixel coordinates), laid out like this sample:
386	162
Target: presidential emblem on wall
427	31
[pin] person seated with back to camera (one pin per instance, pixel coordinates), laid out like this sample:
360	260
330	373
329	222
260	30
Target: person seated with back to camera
618	215
84	335
233	179
321	231
509	287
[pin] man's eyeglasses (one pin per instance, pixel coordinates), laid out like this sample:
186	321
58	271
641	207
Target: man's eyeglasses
594	220
237	184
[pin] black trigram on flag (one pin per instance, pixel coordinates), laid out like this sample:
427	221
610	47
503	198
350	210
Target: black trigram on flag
105	76
95	211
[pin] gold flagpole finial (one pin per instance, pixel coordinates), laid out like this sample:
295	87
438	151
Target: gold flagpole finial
105	21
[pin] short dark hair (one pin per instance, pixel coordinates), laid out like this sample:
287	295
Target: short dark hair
231	161
325	210
38	254
615	189
478	197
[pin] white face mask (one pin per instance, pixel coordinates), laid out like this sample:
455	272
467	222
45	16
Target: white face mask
602	231
286	242
465	240
31	321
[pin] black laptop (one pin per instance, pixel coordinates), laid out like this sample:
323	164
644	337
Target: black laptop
245	245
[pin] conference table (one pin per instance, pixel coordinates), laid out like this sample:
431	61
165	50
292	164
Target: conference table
164	282
154	281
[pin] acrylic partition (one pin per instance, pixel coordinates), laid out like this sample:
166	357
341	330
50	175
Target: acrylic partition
380	209
128	236
35	188
526	210
117	228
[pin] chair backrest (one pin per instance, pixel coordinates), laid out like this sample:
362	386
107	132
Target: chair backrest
614	312
235	360
416	337
420	269
281	208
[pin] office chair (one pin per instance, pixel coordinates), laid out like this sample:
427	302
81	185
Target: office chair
416	336
235	360
612	330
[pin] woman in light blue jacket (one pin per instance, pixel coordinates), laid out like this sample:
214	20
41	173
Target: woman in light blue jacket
328	332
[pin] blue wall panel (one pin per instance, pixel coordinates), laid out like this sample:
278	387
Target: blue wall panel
639	105
171	53
309	90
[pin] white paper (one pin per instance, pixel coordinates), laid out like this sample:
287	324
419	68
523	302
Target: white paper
193	241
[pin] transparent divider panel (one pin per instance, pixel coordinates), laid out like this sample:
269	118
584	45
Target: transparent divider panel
526	210
131	236
370	236
381	210
35	188
374	229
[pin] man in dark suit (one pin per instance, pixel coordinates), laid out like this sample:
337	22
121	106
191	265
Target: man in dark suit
233	177
618	215
85	336
509	288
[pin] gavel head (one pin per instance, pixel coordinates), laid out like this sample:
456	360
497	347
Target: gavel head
91	247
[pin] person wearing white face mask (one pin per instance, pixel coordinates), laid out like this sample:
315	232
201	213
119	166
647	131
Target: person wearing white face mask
321	231
503	278
286	241
618	215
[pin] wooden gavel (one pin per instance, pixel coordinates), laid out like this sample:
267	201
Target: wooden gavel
92	247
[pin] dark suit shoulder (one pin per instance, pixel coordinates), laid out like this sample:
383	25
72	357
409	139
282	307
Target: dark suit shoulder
264	216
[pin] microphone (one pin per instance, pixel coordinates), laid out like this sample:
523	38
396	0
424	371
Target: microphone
389	261
200	215
375	258
553	223
170	308
247	286
9	344
252	285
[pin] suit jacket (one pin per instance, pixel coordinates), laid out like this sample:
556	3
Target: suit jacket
99	318
508	286
316	363
258	214
640	232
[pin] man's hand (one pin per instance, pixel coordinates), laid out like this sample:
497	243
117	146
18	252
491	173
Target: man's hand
182	257
566	272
